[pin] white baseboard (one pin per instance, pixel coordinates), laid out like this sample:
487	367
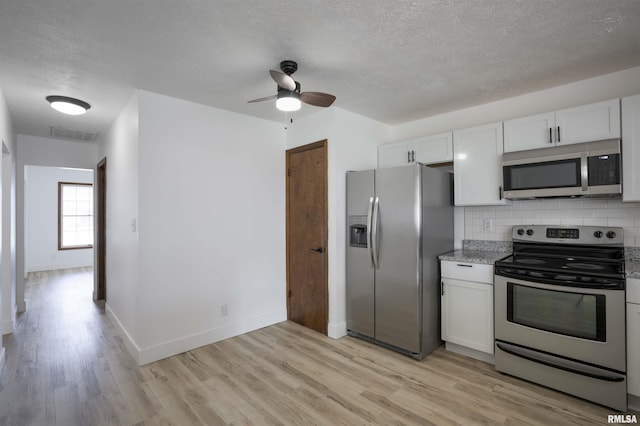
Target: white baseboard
471	353
195	340
633	402
337	330
8	325
56	266
129	343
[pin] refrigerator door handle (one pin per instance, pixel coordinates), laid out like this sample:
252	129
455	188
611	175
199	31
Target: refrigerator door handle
369	224
374	232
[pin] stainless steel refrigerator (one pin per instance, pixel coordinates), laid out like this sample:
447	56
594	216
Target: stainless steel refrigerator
398	221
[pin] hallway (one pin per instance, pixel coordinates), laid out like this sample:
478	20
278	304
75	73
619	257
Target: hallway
63	355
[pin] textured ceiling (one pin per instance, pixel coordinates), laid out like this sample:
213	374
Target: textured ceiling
393	61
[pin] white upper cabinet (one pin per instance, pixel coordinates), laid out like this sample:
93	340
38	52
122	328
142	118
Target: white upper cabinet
588	123
434	149
477	165
394	154
427	150
631	148
585	123
529	132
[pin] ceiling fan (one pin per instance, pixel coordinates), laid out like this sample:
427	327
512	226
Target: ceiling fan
289	97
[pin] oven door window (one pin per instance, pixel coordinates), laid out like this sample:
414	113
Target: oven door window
549	174
580	315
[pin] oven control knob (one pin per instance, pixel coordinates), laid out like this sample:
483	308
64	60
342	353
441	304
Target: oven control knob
520	231
529	232
611	234
598	234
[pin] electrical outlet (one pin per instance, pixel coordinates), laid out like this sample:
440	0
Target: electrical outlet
224	310
487	225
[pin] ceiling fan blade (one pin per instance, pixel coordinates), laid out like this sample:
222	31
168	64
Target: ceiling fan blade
283	80
317	98
266	98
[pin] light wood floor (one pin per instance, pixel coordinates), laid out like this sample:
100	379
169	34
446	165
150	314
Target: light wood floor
66	365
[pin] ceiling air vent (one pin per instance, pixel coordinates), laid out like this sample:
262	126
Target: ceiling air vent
75	135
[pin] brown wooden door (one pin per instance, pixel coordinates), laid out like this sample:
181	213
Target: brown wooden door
307	301
101	234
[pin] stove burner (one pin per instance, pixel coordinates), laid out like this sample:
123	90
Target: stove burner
531	261
588	266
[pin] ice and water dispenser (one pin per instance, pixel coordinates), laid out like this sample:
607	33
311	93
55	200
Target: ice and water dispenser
358	231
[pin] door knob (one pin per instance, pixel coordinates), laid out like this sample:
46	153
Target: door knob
318	249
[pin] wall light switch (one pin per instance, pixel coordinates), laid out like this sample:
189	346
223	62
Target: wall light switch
487	225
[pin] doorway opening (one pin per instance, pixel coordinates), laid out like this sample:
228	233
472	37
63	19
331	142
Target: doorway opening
58	218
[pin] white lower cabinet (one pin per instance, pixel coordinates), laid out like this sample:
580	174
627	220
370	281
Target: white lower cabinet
633	336
467	305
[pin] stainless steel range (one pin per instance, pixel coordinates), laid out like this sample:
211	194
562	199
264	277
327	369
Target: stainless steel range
560	311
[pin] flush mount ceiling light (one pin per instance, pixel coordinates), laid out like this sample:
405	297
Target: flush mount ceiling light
288	101
67	105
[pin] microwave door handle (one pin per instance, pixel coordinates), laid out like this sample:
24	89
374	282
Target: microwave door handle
584	171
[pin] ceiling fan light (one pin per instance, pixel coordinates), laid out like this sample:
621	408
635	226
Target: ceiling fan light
67	105
288	102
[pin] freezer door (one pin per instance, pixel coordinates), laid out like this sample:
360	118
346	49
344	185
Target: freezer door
360	273
398	296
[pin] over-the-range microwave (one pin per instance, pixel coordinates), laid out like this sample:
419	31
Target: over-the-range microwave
591	169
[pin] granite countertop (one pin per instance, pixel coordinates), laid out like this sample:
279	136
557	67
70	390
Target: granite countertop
487	252
632	262
478	251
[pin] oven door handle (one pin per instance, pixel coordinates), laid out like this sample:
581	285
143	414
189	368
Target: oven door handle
584	170
619	285
561	363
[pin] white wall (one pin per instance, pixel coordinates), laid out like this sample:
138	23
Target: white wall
41	219
595	212
38	151
610	86
120	146
352	145
574	212
8	306
210	224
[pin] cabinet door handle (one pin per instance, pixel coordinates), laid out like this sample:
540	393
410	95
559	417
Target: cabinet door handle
413	156
500	193
558	134
408	156
441	288
466	266
550	134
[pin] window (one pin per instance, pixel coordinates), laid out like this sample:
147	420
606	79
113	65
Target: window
75	215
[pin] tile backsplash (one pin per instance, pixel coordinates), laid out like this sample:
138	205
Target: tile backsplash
495	222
